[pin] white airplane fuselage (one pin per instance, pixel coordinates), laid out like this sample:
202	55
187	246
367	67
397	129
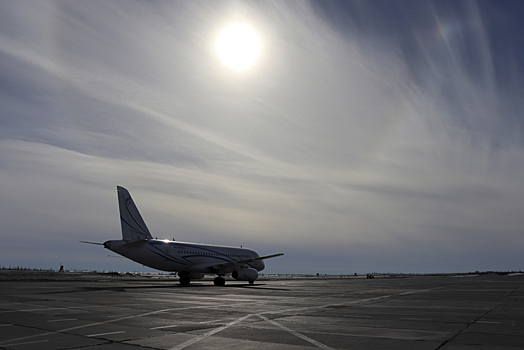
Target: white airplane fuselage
168	255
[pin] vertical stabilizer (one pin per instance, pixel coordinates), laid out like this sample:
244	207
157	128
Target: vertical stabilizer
133	226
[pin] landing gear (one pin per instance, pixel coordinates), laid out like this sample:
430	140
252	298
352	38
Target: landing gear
219	281
184	281
251	282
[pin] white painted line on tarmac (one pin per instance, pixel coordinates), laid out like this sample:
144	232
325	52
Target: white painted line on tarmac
108	321
415	319
53	308
210	333
108	333
31	342
6	324
488	322
63	320
312	341
194	340
204	322
161	327
297	334
43	309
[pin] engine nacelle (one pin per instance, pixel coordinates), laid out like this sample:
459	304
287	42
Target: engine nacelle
245	274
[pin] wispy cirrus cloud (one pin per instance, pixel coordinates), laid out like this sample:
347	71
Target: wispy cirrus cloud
392	143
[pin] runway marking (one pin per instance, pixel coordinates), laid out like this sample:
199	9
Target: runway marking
6	324
31	342
108	321
204	322
64	319
297	334
488	322
161	327
260	314
210	333
66	308
99	334
415	319
216	330
53	308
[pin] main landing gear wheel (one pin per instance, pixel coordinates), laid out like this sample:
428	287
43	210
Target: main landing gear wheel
219	281
251	282
184	281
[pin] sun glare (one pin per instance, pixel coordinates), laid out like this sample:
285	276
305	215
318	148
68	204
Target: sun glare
238	46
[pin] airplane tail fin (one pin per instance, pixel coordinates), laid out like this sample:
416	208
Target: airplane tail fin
133	226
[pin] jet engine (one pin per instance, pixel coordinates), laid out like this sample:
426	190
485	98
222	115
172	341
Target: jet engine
245	274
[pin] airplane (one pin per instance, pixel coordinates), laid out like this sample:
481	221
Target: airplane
190	261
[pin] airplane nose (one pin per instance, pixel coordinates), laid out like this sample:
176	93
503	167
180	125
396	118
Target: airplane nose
107	244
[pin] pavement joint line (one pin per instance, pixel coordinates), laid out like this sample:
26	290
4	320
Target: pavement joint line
8	342
297	334
476	320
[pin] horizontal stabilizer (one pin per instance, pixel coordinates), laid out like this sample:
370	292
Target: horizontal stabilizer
92	242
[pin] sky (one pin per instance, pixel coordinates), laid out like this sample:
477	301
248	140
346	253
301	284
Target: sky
367	136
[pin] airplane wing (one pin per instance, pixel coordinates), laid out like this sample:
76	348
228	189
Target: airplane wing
245	261
212	267
268	256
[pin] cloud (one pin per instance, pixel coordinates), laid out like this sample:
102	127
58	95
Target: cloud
377	143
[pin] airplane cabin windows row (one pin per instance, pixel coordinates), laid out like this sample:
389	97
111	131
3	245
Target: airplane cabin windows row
215	254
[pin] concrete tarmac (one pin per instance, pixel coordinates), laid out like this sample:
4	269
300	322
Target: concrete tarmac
449	313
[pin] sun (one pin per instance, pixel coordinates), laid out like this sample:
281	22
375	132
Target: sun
238	46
